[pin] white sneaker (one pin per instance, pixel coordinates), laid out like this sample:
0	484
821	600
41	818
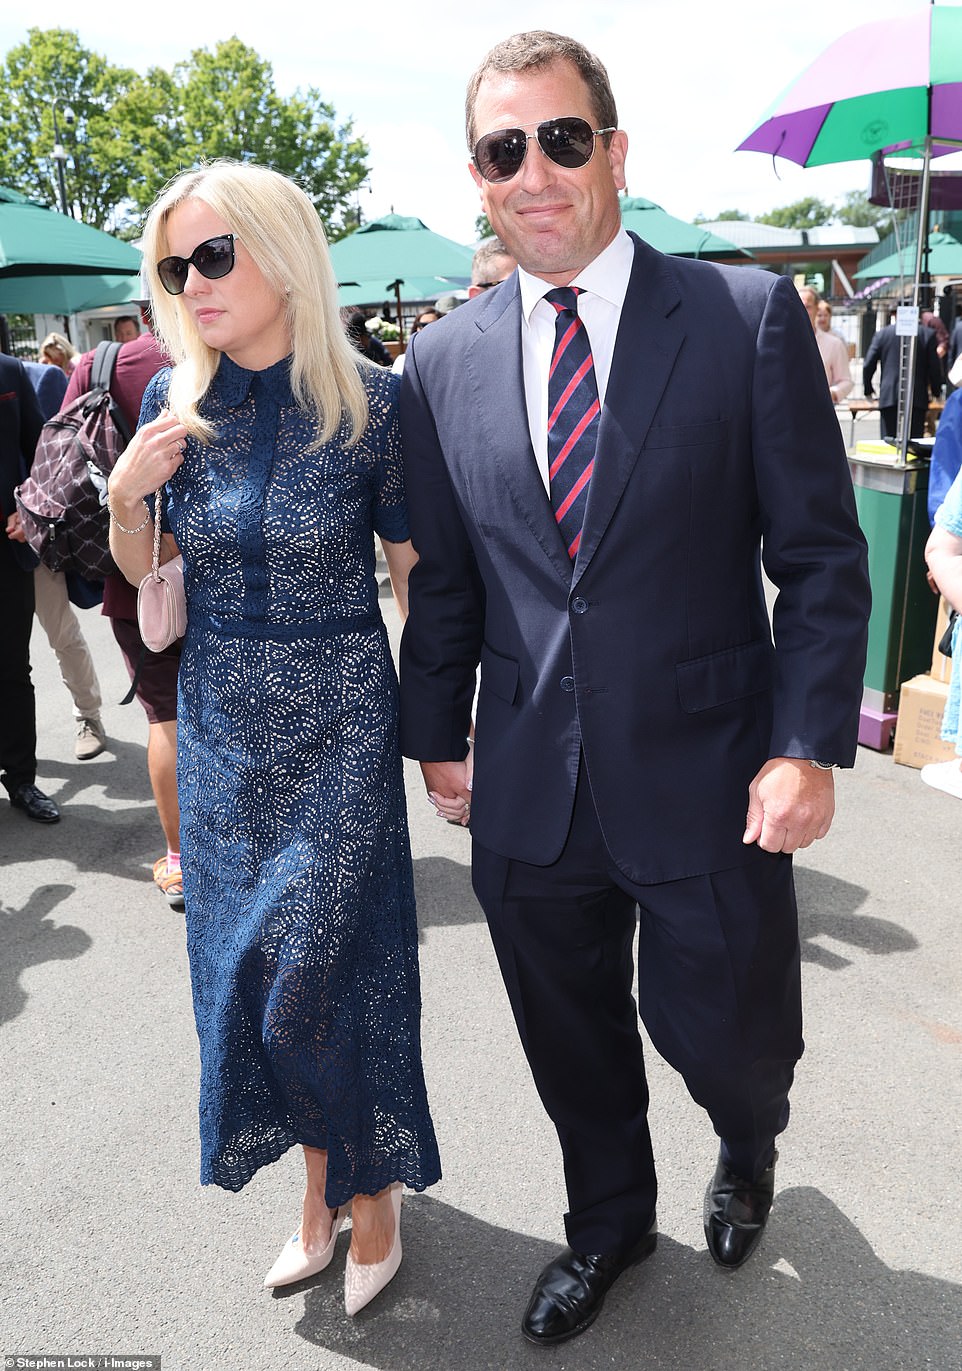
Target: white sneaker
945	776
91	739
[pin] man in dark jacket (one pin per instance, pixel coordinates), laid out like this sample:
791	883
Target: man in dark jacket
20	425
885	348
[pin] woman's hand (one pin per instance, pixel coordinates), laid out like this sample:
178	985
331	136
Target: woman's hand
150	459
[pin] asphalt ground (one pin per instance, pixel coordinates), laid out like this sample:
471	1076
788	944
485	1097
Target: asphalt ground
111	1246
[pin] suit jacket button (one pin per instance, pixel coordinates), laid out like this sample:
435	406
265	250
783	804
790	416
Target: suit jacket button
567	683
579	606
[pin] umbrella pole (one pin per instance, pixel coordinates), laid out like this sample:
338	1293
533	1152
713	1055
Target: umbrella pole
921	240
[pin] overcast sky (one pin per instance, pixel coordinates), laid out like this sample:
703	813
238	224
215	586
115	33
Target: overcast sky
691	79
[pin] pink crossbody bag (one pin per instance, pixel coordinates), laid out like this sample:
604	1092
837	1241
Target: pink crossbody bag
161	602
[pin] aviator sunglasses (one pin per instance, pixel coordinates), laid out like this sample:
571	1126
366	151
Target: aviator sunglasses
213	259
568	142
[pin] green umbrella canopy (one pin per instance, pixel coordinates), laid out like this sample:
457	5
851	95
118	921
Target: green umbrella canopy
674	236
945	259
369	261
65	294
37	241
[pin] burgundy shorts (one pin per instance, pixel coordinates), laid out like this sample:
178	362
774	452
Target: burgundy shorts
157	684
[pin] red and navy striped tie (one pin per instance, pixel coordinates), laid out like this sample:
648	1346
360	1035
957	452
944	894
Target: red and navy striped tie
573	417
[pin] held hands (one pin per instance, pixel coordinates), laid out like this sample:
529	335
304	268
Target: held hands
790	805
150	459
449	788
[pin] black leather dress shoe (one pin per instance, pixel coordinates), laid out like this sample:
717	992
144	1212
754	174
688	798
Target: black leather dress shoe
35	804
736	1212
571	1290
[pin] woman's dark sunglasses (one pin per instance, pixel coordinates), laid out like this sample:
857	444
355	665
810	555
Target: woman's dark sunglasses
569	142
213	259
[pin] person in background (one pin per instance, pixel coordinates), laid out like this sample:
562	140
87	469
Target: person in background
58	351
20	425
831	349
426	316
355	326
492	263
885	349
278	448
823	320
154	674
50	385
126	329
943	554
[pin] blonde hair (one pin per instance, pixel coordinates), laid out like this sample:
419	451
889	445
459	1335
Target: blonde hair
58	349
283	234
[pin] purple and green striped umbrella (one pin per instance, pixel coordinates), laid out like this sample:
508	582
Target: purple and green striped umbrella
883	87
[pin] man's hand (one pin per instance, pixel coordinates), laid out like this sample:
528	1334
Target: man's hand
449	788
790	804
14	529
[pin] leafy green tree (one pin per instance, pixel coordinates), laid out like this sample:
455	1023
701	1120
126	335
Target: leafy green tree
52	72
803	214
856	209
727	215
482	228
130	134
226	105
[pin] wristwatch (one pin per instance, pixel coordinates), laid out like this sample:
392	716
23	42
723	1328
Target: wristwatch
823	766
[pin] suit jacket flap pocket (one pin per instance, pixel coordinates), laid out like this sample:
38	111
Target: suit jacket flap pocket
705	682
499	675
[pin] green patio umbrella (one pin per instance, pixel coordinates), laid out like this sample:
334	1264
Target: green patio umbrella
51	264
674	236
398	256
944	259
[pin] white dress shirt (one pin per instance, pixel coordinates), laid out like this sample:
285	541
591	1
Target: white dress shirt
605	284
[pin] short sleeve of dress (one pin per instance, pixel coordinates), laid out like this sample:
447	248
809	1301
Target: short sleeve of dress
155	398
390	509
949	513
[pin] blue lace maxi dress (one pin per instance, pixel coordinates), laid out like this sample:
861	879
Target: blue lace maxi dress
301	927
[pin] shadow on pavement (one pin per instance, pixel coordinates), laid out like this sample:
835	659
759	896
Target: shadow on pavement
814	1298
443	891
28	937
827	908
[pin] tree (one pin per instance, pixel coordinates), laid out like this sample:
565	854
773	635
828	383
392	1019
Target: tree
132	133
226	106
49	72
726	215
856	209
803	214
482	228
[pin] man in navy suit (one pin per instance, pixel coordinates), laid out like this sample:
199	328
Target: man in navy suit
633	707
20	425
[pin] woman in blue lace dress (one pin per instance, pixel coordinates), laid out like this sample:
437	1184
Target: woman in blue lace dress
278	448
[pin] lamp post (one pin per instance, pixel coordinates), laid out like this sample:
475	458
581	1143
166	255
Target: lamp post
59	154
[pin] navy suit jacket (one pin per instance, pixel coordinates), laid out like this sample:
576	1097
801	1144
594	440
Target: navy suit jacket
653	653
20	425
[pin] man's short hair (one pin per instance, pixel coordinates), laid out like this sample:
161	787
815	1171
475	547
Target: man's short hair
486	254
534	51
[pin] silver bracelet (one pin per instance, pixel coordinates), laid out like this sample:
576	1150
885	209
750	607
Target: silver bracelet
140	527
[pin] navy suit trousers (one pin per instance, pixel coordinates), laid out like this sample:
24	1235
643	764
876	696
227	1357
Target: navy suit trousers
718	991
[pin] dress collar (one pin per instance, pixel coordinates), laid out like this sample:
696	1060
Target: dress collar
232	384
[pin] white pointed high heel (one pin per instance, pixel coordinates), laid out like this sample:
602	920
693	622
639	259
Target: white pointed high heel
294	1264
363	1281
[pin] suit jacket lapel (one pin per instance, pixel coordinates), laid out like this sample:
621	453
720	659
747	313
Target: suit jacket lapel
495	373
649	337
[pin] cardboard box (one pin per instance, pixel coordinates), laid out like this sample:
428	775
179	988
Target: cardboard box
917	741
941	669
